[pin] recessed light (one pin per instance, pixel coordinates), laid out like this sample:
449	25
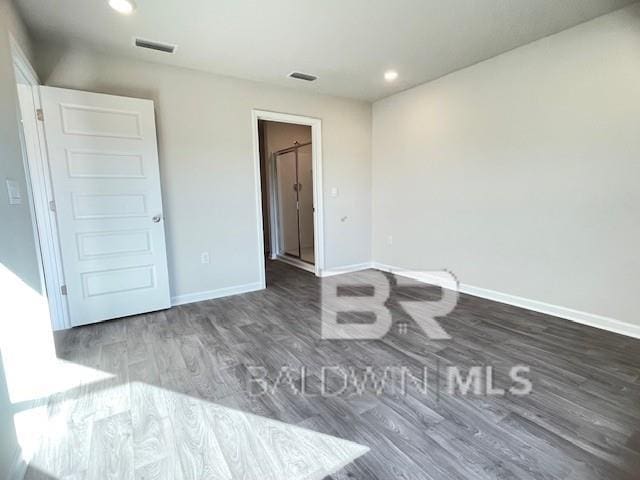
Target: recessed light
126	7
390	75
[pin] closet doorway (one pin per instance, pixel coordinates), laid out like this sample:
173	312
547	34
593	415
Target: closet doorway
289	150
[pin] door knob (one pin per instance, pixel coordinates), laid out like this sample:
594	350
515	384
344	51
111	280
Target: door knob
156	218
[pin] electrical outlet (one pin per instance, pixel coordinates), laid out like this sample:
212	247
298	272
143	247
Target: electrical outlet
204	258
389	240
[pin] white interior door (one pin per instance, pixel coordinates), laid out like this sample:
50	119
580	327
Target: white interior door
103	160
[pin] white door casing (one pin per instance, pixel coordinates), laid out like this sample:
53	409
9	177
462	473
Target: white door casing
103	160
318	203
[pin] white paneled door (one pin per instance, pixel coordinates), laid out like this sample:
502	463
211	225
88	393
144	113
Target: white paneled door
103	159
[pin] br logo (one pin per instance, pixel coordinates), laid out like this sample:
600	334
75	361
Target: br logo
345	297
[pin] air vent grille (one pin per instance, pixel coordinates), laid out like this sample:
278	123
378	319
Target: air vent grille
152	45
303	76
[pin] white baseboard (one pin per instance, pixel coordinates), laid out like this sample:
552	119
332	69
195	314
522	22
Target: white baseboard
356	267
218	293
432	278
297	263
18	467
584	318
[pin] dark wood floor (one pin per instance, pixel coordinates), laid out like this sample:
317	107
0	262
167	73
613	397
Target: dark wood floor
581	421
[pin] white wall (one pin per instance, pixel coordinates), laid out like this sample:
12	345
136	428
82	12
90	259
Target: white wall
206	162
521	174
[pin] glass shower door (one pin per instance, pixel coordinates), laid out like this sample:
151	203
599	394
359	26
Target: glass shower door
286	166
294	179
305	201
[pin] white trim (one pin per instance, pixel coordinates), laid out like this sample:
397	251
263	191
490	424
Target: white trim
212	294
21	61
40	194
356	267
424	277
18	466
316	153
296	263
258	189
584	318
590	319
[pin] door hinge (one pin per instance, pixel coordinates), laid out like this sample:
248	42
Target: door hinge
52	205
63	289
40	115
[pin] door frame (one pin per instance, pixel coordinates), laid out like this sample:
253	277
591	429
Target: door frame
316	154
41	195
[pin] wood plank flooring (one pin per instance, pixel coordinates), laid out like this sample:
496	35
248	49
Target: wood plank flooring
179	402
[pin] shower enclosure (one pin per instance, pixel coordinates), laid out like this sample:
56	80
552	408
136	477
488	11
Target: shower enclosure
294	189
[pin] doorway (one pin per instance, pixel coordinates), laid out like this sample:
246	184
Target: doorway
290	191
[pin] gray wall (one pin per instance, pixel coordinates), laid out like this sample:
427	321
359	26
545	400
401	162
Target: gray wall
17	245
520	174
206	161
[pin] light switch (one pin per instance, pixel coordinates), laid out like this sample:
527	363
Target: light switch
13	189
334	192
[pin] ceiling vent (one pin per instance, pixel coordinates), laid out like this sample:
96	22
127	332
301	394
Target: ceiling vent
303	76
159	46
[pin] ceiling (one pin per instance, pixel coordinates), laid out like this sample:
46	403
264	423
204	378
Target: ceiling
348	44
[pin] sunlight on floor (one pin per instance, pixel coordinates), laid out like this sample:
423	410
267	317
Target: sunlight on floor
145	429
31	368
94	423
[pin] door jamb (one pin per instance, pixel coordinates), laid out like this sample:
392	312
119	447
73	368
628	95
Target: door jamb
40	195
316	153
